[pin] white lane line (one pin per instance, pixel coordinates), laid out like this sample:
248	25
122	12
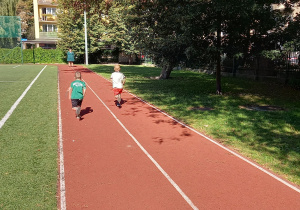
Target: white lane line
216	143
14	106
186	198
61	153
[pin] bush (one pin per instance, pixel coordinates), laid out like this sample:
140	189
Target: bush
38	55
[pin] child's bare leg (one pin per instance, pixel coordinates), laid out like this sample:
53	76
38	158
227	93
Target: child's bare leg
119	98
78	111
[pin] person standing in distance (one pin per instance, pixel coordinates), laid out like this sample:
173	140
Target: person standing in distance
76	93
70	57
118	80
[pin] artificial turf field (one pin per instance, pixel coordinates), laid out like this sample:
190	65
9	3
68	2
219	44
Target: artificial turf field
28	139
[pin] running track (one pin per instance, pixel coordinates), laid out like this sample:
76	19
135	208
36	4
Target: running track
138	158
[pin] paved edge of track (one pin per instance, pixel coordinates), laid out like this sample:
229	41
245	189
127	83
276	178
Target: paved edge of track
62	186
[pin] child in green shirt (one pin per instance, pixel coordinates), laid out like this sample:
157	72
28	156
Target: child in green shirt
76	93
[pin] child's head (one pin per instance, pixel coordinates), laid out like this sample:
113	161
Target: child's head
77	75
117	67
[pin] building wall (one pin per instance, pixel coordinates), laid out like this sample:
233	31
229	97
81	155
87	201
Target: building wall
45	23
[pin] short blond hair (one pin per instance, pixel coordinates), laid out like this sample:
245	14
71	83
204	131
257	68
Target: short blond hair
77	75
117	67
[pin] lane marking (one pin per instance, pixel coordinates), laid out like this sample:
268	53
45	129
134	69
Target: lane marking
14	106
213	141
186	198
61	153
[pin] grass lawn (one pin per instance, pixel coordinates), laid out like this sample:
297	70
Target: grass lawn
28	139
271	138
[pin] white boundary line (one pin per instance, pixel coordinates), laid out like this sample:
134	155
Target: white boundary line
14	106
218	144
186	198
16	66
61	154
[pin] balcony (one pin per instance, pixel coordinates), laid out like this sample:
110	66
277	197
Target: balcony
47	2
48	17
48	35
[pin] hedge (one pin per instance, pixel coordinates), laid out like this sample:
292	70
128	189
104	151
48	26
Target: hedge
38	55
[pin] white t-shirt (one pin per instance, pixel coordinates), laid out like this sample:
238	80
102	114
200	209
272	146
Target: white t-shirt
117	78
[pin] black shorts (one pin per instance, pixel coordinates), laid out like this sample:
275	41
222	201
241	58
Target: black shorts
76	102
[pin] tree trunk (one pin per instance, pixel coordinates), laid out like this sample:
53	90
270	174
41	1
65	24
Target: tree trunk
287	72
218	73
257	67
130	59
235	67
166	71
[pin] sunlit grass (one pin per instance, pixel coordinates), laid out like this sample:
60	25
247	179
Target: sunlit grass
271	138
28	143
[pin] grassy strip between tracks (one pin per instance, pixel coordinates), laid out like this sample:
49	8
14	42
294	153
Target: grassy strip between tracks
28	139
259	120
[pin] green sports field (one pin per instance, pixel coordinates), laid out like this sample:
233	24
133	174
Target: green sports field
28	139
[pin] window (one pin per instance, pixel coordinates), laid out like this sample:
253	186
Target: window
49	10
49	28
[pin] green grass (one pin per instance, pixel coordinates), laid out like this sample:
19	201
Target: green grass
271	138
28	139
13	81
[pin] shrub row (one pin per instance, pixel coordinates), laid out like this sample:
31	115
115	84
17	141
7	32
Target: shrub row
38	55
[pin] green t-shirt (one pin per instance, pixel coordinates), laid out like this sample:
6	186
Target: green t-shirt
77	89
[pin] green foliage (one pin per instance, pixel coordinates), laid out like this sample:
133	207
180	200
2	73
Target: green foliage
107	27
71	24
272	54
10	55
38	55
24	9
8	7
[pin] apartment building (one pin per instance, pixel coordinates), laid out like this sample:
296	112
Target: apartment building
45	24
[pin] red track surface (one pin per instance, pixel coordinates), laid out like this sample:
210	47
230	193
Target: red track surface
106	169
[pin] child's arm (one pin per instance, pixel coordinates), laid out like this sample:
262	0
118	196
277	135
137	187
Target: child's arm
83	91
70	92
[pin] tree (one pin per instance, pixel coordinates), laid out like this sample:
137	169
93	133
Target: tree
24	9
8	7
160	33
119	29
106	23
71	25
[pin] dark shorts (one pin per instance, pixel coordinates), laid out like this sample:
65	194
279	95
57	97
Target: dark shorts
76	102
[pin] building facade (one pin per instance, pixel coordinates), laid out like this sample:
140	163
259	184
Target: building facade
45	24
